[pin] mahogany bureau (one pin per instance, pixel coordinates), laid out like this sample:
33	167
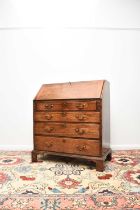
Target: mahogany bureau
73	119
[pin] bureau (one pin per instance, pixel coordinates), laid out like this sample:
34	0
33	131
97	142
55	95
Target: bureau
73	119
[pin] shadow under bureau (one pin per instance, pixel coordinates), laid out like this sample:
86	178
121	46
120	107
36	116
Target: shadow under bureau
73	119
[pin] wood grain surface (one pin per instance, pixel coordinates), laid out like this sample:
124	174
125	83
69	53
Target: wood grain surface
67	145
83	130
67	116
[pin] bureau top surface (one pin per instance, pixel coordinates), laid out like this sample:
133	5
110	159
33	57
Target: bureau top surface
71	90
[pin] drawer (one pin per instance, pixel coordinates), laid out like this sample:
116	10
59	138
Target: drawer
65	105
84	130
67	145
67	116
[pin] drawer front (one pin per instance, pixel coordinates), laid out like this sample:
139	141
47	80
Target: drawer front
67	116
82	130
67	145
65	105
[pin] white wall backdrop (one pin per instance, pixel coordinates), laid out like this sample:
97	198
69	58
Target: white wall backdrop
44	41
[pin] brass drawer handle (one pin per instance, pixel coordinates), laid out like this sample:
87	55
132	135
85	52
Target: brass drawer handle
48	106
81	117
81	148
79	131
80	106
49	129
48	144
49	117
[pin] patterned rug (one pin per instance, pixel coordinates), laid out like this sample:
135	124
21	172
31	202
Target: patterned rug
69	184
